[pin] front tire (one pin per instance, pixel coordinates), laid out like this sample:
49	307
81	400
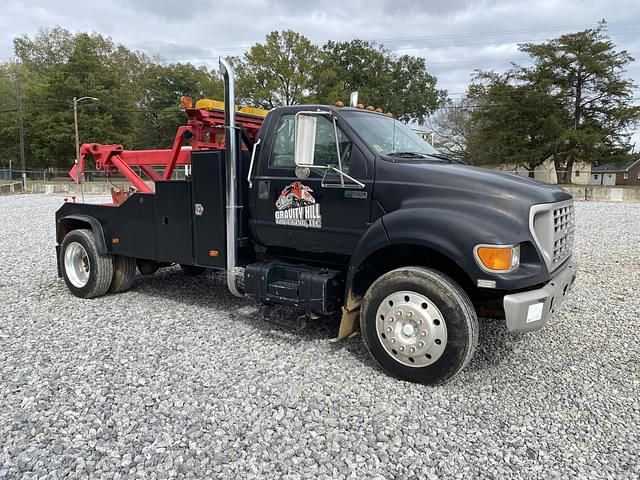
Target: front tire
86	273
419	325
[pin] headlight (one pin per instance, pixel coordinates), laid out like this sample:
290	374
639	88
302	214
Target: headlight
497	258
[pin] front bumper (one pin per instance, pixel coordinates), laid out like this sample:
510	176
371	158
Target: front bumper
528	311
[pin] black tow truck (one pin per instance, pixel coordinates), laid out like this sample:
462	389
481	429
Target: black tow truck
338	211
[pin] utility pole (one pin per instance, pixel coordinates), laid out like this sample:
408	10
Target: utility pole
21	121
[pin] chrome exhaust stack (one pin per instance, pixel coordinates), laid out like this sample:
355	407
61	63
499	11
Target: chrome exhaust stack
232	162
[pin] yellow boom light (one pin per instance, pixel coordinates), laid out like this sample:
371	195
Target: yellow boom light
497	258
209	104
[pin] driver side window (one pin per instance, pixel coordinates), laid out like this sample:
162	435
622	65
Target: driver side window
282	155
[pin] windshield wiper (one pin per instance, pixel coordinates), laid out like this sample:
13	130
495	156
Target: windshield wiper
439	156
410	155
442	156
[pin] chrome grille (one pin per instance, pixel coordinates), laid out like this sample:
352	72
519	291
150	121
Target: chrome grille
563	222
552	226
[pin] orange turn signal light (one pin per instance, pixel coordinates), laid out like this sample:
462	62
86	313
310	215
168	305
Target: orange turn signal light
498	258
214	253
186	102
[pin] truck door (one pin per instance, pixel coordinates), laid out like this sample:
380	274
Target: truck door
292	207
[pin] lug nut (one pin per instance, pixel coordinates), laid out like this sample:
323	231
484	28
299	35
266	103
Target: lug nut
402	348
423	333
421	344
389	329
413	349
393	340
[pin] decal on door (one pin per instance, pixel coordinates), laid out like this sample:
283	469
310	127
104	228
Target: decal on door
296	207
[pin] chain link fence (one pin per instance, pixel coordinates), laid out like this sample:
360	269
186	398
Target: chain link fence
62	175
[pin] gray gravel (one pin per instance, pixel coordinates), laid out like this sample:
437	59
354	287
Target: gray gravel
179	379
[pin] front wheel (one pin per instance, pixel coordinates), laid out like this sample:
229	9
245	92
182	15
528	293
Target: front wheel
86	273
419	325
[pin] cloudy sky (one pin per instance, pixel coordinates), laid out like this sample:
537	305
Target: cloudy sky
455	36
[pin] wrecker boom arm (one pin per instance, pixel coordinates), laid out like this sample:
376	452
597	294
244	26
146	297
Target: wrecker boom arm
205	130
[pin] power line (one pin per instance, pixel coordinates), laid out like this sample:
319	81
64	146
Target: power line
426	39
493	60
501	32
241	49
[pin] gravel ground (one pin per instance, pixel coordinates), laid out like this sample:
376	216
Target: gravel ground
177	378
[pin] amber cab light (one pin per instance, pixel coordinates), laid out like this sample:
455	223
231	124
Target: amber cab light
498	258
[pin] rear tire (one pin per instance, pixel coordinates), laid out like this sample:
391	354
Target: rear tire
192	270
124	273
86	273
419	325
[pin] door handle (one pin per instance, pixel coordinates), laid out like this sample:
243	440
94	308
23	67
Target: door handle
198	209
264	186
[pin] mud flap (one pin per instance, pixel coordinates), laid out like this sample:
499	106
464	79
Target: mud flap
350	318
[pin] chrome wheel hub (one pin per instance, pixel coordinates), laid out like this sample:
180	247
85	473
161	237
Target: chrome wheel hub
76	264
411	329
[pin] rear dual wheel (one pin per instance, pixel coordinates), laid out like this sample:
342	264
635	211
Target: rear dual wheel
89	274
124	273
419	325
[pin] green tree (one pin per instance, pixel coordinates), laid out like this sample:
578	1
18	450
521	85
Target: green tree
277	72
57	66
89	70
584	72
400	85
45	51
8	116
513	122
352	66
162	86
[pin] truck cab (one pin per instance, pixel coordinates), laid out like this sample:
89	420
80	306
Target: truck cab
342	211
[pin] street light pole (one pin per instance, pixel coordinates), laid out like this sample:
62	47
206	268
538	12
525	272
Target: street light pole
75	123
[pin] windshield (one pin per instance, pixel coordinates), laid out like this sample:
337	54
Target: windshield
386	135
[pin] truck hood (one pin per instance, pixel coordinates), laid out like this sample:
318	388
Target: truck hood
407	184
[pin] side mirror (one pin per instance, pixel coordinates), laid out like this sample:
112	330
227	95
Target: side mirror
305	140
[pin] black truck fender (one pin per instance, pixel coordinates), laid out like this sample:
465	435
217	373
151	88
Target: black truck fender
76	221
439	237
454	232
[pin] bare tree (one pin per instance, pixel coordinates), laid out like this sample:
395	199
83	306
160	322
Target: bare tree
452	126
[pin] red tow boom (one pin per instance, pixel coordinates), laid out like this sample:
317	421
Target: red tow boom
205	130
